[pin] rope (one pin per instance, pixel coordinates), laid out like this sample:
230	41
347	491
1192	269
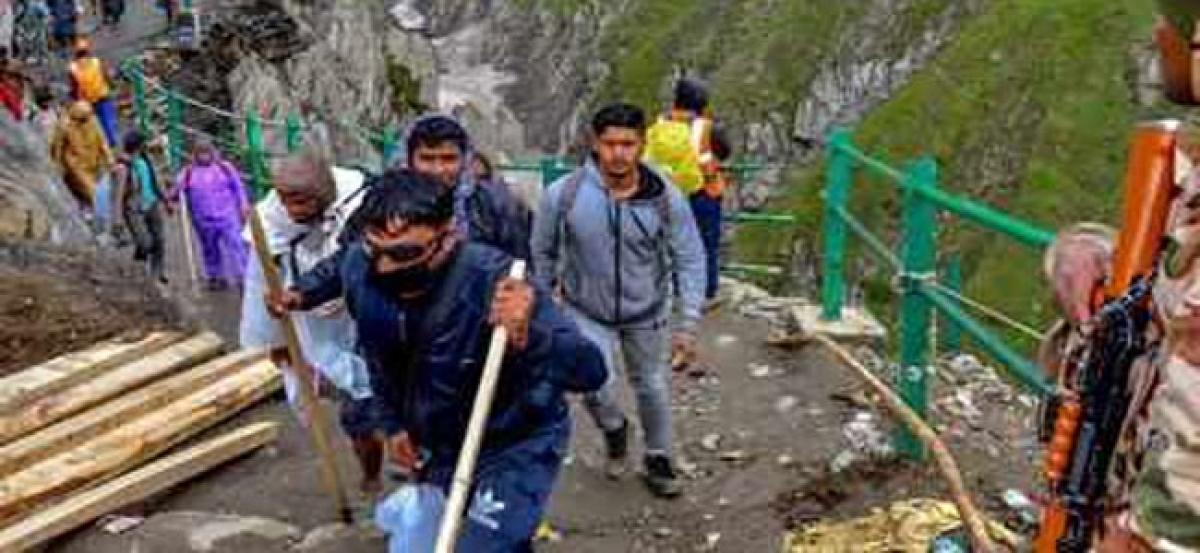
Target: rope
988	310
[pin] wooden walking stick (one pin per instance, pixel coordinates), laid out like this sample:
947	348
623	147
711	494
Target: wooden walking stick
461	485
185	220
318	419
973	523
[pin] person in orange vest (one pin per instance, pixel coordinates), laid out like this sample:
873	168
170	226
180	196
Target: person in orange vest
698	173
90	83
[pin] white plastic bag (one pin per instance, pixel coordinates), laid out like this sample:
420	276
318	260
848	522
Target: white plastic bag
411	517
104	204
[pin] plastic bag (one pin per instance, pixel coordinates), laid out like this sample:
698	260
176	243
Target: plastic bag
104	204
411	517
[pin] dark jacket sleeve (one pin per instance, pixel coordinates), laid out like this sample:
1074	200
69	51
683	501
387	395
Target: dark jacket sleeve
568	359
510	220
322	283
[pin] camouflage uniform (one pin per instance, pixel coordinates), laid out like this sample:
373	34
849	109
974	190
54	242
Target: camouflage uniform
1155	480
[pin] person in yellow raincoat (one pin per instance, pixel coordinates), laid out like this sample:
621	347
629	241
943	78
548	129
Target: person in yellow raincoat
79	147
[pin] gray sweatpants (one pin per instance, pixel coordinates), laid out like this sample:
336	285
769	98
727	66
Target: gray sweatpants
646	351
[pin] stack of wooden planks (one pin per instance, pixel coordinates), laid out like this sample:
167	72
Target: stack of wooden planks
80	434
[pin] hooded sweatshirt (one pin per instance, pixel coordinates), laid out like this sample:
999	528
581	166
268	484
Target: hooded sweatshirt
616	260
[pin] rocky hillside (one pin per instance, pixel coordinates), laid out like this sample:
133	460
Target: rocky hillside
1026	103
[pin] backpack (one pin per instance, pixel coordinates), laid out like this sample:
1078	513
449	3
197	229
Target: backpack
89	79
669	146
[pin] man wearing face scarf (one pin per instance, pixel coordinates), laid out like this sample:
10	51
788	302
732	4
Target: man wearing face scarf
425	302
437	146
218	204
303	216
1154	488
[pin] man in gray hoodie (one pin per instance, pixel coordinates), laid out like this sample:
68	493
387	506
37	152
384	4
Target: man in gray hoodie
615	238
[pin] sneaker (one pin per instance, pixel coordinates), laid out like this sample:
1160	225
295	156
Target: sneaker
616	444
660	477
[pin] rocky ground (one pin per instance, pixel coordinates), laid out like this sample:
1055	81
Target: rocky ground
767	439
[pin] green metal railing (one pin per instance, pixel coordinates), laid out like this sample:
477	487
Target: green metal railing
243	143
916	266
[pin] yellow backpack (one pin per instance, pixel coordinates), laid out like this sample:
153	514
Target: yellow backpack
90	79
669	146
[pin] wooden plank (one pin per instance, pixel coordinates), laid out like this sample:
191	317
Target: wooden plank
38	381
53	408
57	437
153	478
125	447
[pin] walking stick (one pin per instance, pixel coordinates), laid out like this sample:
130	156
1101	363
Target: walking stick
189	243
317	417
452	517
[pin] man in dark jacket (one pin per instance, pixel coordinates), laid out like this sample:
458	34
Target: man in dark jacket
437	146
424	302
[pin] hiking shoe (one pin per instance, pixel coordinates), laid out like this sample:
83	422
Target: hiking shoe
616	444
660	477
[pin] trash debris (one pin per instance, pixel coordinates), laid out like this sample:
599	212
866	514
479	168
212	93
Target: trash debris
734	456
785	404
710	442
546	533
785	460
759	370
909	526
864	436
119	524
663	532
711	539
1025	509
726	340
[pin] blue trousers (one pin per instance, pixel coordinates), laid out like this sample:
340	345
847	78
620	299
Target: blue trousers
512	487
106	113
707	212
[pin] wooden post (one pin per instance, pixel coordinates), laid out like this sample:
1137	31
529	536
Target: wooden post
452	517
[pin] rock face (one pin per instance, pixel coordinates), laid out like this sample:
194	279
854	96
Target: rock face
33	203
349	67
870	65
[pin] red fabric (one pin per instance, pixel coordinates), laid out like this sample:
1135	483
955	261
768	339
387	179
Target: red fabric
10	98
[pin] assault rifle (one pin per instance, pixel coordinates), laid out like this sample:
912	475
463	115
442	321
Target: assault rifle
1083	423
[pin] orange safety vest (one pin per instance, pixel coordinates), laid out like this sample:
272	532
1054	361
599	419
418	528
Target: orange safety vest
90	81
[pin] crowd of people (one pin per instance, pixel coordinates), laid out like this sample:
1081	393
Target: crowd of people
395	279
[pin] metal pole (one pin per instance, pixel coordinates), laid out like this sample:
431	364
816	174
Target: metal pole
141	111
175	139
254	154
989	217
293	132
949	330
919	256
387	150
839	175
1024	370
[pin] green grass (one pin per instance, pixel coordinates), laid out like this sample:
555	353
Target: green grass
1030	110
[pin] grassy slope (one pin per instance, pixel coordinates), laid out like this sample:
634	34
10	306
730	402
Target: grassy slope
1029	110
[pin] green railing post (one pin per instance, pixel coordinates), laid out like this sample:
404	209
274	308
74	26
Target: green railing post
948	330
920	258
839	175
254	151
292	128
176	143
391	140
551	169
140	109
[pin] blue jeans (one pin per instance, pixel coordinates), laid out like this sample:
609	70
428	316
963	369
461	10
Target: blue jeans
106	112
707	212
